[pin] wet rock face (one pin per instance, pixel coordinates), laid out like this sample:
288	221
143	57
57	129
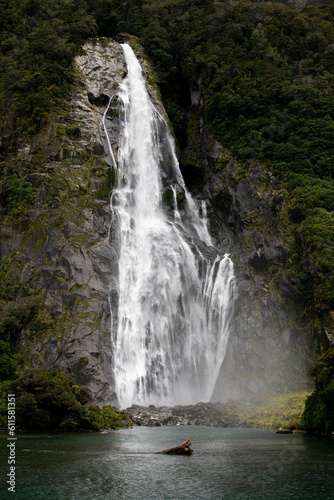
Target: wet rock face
67	247
80	277
77	281
75	267
270	343
269	348
102	68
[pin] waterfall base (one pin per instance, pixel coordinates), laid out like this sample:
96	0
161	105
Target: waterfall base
264	412
209	414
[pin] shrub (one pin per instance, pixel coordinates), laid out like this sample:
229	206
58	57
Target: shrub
7	363
318	416
50	400
17	193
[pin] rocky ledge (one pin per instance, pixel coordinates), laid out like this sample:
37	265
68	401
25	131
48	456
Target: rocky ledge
262	412
210	414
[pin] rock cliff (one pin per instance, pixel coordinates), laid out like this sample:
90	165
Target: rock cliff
270	347
61	253
60	249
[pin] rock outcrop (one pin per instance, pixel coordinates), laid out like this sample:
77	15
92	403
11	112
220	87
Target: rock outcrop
270	347
62	249
209	414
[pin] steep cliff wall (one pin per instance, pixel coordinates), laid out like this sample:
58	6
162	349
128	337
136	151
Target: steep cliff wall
60	253
271	346
270	349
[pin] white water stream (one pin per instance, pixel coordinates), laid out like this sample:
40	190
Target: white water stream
174	310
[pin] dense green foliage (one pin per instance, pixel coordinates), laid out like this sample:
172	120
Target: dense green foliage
38	41
265	72
7	363
16	194
318	416
50	400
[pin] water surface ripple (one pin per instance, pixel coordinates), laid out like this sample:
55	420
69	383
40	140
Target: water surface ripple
229	464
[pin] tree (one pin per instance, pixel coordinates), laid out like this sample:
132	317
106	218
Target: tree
318	416
7	364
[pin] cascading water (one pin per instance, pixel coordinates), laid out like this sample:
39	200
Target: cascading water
172	325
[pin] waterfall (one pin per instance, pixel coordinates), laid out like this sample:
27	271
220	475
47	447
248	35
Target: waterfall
175	293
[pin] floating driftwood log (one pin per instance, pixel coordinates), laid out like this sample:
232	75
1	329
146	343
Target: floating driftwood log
184	449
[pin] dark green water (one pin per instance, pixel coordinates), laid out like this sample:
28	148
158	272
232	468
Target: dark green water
233	464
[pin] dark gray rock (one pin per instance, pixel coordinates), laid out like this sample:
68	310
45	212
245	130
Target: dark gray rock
209	414
66	252
269	348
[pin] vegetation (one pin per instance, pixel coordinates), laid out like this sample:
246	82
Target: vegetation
39	39
275	412
15	314
7	363
264	72
318	416
50	400
17	193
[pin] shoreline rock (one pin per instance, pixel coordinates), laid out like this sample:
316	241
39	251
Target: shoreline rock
208	414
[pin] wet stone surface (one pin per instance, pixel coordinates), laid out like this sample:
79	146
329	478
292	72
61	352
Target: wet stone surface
210	414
